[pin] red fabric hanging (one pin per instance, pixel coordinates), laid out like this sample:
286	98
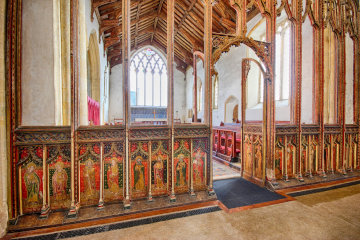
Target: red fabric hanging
93	111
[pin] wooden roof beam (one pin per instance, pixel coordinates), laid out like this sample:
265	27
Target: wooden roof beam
99	3
114	40
186	13
157	18
196	43
117	29
137	21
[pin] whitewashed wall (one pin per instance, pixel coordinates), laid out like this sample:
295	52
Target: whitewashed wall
189	88
180	111
37	83
229	73
307	73
93	26
115	93
349	99
40	62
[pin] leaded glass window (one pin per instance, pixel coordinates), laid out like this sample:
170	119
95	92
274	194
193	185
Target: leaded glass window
148	79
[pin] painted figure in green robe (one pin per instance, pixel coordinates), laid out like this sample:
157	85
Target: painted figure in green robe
139	175
32	182
181	172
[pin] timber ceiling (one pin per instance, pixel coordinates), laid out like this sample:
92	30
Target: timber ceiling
148	26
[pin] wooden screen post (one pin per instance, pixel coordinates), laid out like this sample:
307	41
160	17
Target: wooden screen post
297	59
74	90
269	101
126	42
208	81
170	74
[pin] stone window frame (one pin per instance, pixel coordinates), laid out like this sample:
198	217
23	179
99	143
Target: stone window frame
148	66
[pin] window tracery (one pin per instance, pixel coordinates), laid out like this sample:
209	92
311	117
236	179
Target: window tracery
148	79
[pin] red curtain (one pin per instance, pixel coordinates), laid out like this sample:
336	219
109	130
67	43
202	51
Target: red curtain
93	111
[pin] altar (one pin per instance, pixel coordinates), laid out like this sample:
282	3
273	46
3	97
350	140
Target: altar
154	121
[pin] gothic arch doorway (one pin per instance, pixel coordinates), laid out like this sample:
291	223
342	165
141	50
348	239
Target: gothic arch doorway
231	109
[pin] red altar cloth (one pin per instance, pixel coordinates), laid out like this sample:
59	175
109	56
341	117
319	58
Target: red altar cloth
93	111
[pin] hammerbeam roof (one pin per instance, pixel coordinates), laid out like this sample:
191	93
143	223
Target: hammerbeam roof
148	26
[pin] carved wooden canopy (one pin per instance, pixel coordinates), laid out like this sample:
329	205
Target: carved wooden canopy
148	26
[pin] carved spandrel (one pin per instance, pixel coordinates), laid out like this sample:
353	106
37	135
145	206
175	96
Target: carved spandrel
30	138
100	135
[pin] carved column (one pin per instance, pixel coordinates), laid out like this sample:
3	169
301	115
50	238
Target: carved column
170	75
101	199
245	68
150	199
74	89
297	60
208	81
319	53
269	98
241	23
4	151
342	90
13	90
126	44
45	210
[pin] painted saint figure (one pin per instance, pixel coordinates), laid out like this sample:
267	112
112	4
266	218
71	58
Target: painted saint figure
198	164
139	175
181	172
59	182
159	173
32	182
113	177
248	158
89	178
258	161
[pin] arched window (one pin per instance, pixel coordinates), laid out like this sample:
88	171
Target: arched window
283	60
148	79
216	92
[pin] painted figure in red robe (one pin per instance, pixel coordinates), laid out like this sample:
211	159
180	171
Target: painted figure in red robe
113	177
59	182
198	165
89	178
